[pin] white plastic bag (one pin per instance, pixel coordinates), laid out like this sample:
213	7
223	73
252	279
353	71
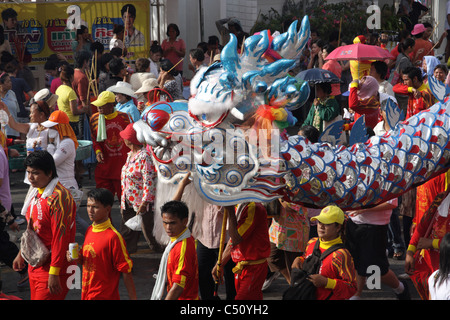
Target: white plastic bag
135	223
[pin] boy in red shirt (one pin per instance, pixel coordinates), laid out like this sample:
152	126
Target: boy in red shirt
104	255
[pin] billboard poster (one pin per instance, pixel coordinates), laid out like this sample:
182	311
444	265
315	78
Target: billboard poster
46	28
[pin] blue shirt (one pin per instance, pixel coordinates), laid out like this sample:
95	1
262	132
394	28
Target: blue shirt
130	108
19	86
11	102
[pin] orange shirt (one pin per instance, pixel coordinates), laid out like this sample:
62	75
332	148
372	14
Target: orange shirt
105	257
335	67
422	48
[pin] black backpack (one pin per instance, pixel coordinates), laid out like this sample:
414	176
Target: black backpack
301	288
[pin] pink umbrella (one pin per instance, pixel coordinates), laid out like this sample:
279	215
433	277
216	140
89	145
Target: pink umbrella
359	51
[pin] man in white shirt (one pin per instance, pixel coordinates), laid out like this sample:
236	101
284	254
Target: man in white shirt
379	70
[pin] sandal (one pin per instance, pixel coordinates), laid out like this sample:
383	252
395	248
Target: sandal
399	255
23	280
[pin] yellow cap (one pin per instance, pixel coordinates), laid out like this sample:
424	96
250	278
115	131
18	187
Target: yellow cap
330	214
104	98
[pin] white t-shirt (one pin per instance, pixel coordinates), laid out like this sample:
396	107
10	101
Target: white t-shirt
379	218
116	43
46	139
441	292
64	156
154	68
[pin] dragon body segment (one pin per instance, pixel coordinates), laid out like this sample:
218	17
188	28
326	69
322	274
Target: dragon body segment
217	136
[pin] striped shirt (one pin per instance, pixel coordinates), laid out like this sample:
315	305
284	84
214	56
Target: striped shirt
182	268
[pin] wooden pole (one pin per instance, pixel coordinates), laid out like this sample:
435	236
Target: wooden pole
126	30
95	73
175	65
221	248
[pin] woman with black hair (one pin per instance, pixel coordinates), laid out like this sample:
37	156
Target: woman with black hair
174	48
403	60
67	99
439	281
103	66
156	53
117	39
83	41
8	97
324	109
168	80
316	60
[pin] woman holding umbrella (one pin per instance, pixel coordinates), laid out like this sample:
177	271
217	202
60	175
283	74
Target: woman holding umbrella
364	100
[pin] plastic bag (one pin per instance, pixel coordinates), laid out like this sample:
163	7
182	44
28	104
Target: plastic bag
135	223
32	248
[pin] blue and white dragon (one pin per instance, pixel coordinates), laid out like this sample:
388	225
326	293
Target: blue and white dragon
209	137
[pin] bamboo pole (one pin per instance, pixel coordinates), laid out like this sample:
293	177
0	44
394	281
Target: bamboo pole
221	249
175	65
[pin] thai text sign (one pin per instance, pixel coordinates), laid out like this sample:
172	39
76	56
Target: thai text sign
47	28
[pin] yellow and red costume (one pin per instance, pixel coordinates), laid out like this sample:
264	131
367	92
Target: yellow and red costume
53	219
105	257
415	105
115	152
434	226
338	267
182	268
250	255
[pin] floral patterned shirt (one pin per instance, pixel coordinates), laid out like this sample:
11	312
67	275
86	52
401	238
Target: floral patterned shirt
290	230
138	179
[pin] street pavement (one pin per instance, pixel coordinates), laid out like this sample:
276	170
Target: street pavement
145	262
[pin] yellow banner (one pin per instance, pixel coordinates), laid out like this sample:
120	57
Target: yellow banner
46	28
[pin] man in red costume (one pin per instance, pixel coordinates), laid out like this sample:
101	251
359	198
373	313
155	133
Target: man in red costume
51	209
422	257
420	96
178	268
110	150
249	247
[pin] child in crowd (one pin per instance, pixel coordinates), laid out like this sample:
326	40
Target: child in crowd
103	255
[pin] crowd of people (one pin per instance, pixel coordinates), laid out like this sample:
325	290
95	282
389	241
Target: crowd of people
261	240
